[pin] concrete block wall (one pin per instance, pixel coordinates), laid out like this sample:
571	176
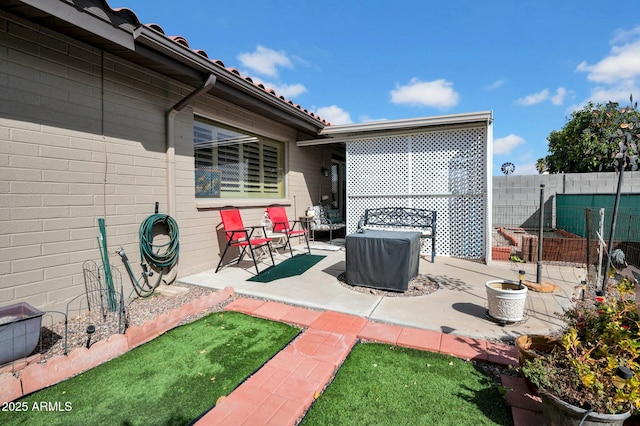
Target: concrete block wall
82	136
517	198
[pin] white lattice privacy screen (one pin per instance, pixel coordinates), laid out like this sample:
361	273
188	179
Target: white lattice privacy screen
444	170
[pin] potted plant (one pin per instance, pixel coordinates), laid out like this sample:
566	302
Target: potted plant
594	376
531	346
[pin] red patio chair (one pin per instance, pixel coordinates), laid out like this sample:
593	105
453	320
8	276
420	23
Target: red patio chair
278	216
238	235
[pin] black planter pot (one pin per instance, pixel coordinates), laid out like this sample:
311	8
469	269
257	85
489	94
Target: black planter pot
559	413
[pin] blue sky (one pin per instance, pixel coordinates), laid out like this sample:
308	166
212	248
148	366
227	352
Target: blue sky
530	62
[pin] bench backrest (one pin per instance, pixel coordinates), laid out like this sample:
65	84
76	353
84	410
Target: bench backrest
401	217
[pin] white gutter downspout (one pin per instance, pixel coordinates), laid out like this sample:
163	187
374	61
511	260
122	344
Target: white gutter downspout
171	141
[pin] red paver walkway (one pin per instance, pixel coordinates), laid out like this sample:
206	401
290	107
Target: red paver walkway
282	391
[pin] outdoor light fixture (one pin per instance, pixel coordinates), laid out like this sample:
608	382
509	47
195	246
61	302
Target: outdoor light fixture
325	171
623	373
521	273
90	330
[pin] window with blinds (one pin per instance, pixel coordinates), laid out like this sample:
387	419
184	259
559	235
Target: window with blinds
233	164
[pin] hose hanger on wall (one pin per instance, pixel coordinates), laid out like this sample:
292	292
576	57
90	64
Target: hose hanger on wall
159	257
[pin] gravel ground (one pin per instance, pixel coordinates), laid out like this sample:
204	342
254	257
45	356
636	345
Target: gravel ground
421	285
137	311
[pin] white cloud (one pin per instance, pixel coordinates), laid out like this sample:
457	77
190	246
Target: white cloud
288	90
265	61
617	74
622	63
558	98
526	169
334	115
544	95
603	94
623	36
438	94
534	98
503	146
282	89
496	84
616	93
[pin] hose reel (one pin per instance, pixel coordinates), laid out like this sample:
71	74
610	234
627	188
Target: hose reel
160	257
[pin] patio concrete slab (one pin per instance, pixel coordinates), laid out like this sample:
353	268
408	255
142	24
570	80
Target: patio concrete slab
458	307
317	288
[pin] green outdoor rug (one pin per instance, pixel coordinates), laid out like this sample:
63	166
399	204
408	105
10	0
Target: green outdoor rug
289	268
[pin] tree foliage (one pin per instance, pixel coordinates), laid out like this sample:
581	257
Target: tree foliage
619	128
592	140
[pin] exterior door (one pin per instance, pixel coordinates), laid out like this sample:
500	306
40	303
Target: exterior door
338	184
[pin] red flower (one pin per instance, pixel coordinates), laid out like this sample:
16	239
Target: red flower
599	299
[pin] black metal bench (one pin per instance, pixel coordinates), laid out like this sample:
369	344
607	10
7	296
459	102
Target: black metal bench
403	218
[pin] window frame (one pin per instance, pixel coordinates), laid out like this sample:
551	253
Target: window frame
251	162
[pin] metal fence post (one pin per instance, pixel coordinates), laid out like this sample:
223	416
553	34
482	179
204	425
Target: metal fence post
587	234
540	236
616	203
600	246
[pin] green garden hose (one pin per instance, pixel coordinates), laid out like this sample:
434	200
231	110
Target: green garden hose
161	255
158	256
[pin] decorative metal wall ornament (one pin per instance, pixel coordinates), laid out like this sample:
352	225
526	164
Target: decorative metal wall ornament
508	168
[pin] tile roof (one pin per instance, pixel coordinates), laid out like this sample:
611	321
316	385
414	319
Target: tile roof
131	17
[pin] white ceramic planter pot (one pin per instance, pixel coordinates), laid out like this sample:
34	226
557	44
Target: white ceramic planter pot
506	300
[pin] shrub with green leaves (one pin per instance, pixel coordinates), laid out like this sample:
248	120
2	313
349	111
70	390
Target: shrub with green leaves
600	349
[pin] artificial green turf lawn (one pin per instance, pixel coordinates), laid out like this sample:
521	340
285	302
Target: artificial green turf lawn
388	385
168	381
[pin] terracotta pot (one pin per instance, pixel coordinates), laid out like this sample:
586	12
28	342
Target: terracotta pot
559	413
531	346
